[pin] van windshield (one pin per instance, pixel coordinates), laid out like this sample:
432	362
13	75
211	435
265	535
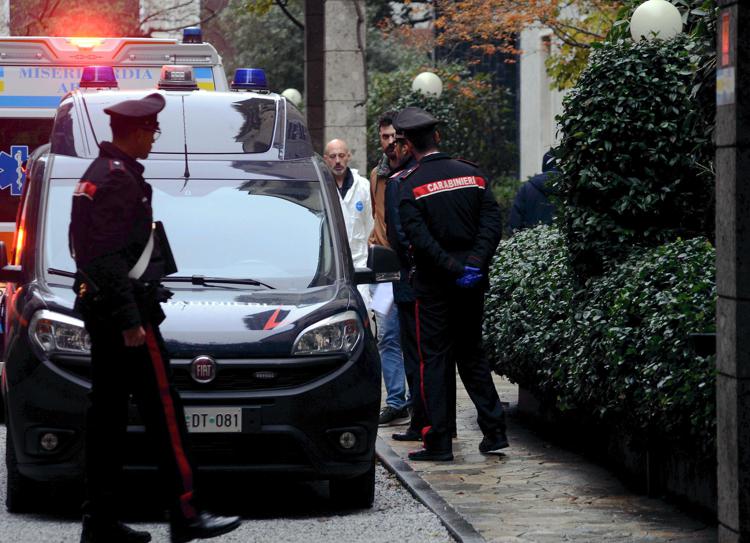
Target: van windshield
272	231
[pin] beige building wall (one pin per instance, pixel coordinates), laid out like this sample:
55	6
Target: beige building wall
345	111
539	103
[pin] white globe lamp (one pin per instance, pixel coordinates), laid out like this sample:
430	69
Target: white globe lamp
656	19
428	84
293	95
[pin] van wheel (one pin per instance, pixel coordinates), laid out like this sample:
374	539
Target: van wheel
356	492
19	497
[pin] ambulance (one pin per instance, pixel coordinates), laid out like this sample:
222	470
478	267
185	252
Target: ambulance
36	72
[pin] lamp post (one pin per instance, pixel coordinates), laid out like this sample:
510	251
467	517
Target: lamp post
293	95
428	84
656	19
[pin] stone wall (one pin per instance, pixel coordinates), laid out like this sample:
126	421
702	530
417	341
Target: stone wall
4	17
344	102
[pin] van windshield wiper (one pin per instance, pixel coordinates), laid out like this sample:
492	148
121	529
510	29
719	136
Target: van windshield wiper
208	281
64	273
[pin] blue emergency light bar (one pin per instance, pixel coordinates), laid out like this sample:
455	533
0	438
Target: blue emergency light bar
98	77
192	34
249	79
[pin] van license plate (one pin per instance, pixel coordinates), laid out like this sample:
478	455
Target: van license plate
213	419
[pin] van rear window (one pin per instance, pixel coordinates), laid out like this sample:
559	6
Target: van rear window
207	122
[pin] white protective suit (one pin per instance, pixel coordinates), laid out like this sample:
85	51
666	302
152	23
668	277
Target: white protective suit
357	208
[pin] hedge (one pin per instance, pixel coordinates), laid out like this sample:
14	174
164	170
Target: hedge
635	153
618	348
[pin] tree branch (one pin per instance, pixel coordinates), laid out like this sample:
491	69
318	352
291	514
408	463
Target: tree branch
583	31
156	14
199	23
567	39
291	17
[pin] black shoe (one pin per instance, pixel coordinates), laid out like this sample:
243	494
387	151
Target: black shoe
204	526
410	435
426	455
391	416
493	444
110	532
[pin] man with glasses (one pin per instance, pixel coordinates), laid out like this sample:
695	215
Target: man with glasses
112	242
395	411
403	293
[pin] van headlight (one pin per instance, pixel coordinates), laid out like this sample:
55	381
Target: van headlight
57	333
338	334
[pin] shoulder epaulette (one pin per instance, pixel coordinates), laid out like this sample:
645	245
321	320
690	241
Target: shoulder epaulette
410	171
116	165
469	162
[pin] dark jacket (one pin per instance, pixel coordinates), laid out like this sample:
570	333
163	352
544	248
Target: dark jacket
402	290
110	226
450	217
532	206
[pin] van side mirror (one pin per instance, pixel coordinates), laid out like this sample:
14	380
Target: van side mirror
8	273
383	266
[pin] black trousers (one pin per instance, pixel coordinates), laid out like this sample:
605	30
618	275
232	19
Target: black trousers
408	327
408	336
143	372
449	329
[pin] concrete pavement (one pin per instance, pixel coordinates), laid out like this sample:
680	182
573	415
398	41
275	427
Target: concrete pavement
538	493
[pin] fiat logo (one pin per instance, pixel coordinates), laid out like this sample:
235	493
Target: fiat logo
203	369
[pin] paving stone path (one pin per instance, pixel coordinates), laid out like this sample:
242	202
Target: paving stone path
540	493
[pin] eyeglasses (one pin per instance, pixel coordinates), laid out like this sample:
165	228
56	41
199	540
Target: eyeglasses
155	131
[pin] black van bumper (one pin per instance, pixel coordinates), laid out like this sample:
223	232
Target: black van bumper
295	432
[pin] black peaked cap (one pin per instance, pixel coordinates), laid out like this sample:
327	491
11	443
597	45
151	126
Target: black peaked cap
414	118
138	110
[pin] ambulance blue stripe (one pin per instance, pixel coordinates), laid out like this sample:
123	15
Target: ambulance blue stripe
2	71
201	72
29	101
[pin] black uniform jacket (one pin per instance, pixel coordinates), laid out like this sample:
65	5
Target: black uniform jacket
450	216
109	229
402	290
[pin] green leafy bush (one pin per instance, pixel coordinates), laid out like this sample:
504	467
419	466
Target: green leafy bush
618	349
476	118
636	152
527	306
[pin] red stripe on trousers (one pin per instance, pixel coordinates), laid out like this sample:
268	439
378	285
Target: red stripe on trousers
421	370
174	433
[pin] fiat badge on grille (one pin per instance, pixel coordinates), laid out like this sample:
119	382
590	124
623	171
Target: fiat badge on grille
203	369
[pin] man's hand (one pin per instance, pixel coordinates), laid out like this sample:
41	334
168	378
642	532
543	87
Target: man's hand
134	337
470	278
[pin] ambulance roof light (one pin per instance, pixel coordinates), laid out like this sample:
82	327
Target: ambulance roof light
176	77
98	77
249	79
192	34
85	43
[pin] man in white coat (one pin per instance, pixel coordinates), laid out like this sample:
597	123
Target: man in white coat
354	193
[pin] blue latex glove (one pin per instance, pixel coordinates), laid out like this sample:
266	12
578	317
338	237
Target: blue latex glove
470	278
